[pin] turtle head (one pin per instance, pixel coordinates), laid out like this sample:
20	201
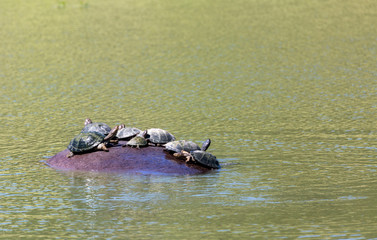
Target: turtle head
112	133
88	121
121	126
143	134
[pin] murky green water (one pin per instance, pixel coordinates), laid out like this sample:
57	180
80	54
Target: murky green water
285	88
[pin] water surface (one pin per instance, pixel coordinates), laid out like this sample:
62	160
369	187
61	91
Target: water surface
285	89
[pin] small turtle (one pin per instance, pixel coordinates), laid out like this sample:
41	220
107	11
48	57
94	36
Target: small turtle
188	146
137	141
90	126
203	158
178	146
158	136
88	141
127	133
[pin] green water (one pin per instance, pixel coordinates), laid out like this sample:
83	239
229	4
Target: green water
284	88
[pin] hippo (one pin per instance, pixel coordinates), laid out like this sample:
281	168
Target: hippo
150	160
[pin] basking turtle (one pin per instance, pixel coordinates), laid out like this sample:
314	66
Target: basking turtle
188	146
158	136
89	141
137	141
203	158
90	126
127	133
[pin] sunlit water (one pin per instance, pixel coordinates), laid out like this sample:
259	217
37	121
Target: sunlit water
285	89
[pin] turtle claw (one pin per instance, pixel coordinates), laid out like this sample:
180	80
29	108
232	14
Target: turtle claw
103	147
70	154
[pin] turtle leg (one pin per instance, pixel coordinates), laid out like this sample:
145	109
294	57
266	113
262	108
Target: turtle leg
70	154
206	144
184	154
102	146
181	154
112	133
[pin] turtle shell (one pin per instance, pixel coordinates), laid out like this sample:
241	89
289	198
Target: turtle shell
137	141
102	128
158	136
178	146
128	132
205	159
84	142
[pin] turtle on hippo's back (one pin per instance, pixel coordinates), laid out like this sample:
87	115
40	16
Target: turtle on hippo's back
158	136
201	157
188	146
137	141
126	133
90	141
99	127
193	153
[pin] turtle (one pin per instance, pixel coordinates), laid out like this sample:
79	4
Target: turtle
90	126
188	146
137	141
127	133
89	141
202	157
158	136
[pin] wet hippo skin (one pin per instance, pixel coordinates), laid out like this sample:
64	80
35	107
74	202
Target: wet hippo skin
149	160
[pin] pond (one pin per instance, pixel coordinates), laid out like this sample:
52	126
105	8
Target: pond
285	89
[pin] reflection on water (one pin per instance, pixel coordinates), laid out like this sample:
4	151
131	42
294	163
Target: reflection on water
285	89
